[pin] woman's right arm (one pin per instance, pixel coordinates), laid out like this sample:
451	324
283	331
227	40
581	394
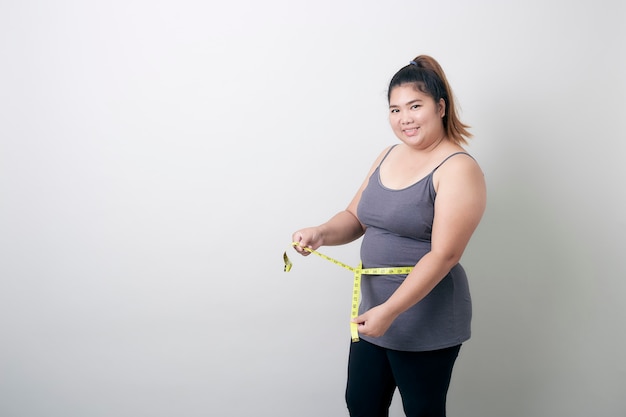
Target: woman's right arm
343	227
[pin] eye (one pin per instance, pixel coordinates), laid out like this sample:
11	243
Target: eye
394	110
415	106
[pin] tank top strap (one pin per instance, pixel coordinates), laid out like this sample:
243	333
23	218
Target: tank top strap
450	156
385	157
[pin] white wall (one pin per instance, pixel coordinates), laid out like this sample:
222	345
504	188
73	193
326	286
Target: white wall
155	157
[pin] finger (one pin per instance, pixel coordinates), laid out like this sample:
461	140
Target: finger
363	329
296	238
301	250
302	246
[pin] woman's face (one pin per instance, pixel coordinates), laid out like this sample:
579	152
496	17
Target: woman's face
415	117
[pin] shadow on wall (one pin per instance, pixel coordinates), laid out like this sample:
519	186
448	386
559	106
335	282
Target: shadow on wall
537	303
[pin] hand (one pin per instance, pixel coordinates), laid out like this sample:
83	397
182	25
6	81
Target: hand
374	322
309	237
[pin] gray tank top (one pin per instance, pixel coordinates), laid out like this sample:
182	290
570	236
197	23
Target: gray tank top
398	231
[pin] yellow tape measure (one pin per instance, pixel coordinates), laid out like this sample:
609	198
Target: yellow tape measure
356	287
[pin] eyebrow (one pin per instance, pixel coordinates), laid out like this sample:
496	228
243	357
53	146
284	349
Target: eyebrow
408	103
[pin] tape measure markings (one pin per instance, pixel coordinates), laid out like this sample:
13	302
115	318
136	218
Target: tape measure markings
356	286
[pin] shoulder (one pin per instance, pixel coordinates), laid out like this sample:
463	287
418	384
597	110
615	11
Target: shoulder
459	167
456	157
381	157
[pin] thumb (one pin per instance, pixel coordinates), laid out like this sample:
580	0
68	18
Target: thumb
301	240
300	244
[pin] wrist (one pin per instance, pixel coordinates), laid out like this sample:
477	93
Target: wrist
391	309
321	233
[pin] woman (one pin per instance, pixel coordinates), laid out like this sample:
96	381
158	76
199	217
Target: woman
419	205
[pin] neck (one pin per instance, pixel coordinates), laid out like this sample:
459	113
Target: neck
432	147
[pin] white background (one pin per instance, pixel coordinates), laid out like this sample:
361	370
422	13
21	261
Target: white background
155	157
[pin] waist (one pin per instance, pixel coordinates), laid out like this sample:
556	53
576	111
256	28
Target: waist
387	250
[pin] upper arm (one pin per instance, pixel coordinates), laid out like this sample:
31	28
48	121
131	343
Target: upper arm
459	205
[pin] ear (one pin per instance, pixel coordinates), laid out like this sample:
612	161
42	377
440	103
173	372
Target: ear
442	107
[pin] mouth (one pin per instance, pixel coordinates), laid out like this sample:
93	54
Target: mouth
410	132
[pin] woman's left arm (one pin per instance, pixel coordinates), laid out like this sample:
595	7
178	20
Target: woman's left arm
459	206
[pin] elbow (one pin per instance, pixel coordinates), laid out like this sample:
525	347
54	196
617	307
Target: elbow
447	259
359	228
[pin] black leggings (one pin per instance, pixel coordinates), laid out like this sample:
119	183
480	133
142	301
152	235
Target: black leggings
422	378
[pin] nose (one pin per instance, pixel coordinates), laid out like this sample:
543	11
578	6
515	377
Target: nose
406	118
